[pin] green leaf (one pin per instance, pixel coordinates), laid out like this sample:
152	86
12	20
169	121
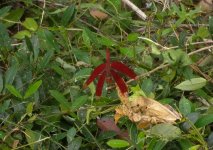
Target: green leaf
30	24
47	40
127	52
13	91
71	134
86	39
14	16
105	41
185	106
204	120
166	131
10	74
4	10
132	37
32	137
192	84
75	144
32	89
2	134
203	32
68	15
45	60
60	98
177	57
29	108
116	143
22	34
79	102
4	106
5	42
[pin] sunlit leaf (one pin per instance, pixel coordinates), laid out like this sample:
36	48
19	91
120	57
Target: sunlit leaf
166	131
192	84
13	91
30	24
32	89
116	143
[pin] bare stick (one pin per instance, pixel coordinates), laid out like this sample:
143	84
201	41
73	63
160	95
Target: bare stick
140	14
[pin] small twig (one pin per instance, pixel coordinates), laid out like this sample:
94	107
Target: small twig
200	50
207	77
43	12
151	41
140	13
32	143
149	72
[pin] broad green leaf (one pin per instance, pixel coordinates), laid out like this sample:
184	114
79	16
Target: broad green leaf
32	89
4	106
47	40
2	134
71	134
192	84
106	135
66	65
203	32
184	106
22	34
86	39
13	17
166	131
196	147
30	24
204	120
127	52
4	10
105	41
132	37
116	143
5	42
60	98
68	15
33	137
85	72
177	57
185	143
155	50
29	108
45	60
79	102
13	91
10	74
75	144
191	119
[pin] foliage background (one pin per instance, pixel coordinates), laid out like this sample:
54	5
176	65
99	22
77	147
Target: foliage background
47	51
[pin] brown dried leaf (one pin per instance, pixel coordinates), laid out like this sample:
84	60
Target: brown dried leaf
108	124
97	14
145	111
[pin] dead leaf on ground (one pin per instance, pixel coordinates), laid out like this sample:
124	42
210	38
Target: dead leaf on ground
97	14
108	124
145	111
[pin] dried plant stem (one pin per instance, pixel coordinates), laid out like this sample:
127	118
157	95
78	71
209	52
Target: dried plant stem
208	78
43	12
140	13
200	50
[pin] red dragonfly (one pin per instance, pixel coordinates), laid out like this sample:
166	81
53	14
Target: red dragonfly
108	71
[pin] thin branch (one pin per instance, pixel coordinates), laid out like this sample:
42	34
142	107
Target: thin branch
140	13
43	12
200	50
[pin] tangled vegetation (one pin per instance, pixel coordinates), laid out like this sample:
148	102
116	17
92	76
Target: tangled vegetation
48	49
